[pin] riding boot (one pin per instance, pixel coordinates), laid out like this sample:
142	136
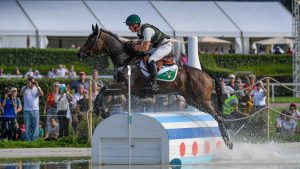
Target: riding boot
153	73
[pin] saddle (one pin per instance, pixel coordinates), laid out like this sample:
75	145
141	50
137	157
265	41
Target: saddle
166	61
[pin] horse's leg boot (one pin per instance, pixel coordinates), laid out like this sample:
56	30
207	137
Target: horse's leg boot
153	73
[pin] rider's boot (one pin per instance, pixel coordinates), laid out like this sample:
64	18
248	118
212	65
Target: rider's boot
153	72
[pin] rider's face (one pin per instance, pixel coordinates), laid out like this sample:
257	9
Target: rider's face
131	28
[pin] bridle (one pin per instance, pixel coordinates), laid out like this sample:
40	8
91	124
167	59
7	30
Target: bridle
95	45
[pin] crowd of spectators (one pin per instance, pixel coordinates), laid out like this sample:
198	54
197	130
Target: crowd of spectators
241	100
65	104
60	72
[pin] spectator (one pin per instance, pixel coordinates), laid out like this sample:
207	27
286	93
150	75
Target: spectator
259	96
231	82
62	101
22	132
216	51
82	80
295	114
289	52
41	130
231	106
31	93
53	132
251	82
62	71
72	73
77	96
11	105
29	73
51	73
37	74
183	60
231	50
279	121
50	105
289	124
277	50
226	90
82	109
17	71
1	72
261	51
293	111
238	84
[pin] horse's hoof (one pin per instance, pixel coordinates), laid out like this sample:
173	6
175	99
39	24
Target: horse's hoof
230	145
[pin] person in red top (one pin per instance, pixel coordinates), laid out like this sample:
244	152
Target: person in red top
50	106
252	80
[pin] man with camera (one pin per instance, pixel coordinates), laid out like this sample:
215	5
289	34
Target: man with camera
31	93
11	106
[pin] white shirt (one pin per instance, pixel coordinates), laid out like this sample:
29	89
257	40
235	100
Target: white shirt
63	103
76	97
259	97
295	114
31	99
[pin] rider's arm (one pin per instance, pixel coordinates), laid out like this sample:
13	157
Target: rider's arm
142	47
148	33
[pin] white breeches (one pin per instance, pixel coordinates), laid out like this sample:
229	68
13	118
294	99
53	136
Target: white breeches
160	52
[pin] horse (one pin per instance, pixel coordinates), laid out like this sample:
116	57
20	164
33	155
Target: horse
194	85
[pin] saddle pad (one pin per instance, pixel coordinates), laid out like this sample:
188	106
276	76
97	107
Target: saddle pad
166	73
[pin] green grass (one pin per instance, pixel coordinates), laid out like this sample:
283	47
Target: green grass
62	142
286	100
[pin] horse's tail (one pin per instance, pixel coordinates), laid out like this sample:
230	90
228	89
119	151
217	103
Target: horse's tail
219	94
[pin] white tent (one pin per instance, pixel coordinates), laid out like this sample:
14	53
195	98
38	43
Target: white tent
60	18
212	40
191	18
273	41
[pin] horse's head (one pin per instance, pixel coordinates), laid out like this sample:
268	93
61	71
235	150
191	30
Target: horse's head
92	45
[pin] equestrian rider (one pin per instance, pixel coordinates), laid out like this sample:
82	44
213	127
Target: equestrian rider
150	35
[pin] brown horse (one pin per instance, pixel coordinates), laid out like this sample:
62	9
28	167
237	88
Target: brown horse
194	85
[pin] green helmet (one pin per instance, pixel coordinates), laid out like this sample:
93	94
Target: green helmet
133	19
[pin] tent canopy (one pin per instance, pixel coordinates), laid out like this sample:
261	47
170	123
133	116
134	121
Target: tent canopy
13	21
190	18
259	19
273	41
113	14
213	40
179	18
60	18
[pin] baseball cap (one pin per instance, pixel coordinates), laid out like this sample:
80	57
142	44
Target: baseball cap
231	76
56	84
293	105
82	73
13	89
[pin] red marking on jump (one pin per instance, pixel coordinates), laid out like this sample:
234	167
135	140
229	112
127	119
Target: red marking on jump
219	145
206	147
195	148
182	149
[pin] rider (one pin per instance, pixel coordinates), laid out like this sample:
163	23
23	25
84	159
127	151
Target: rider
150	35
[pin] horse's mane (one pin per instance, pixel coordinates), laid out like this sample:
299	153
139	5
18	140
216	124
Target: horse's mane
111	34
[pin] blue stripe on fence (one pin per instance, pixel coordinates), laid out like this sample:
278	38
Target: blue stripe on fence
200	132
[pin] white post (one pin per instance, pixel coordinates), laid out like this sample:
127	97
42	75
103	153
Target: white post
193	58
129	114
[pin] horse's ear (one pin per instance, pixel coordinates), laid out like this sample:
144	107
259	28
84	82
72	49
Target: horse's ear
97	29
93	28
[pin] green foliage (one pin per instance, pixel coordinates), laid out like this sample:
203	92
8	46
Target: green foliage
262	65
44	59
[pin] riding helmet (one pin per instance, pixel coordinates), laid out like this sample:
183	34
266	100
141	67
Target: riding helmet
133	19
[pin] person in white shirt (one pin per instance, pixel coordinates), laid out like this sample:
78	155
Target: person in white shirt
31	93
258	96
62	101
295	114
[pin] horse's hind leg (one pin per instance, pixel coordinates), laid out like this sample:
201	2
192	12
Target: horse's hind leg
208	107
